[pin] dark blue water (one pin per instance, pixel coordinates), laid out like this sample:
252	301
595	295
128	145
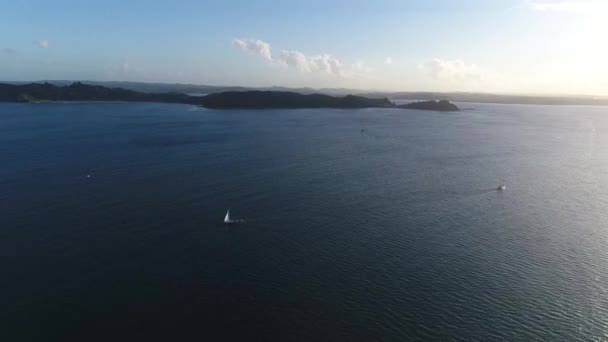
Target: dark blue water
391	234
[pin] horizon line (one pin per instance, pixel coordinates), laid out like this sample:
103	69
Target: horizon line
552	95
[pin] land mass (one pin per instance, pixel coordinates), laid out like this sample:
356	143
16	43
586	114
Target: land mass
281	99
202	89
43	92
441	105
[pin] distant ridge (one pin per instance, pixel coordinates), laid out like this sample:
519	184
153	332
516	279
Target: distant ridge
282	99
38	92
391	95
44	92
190	88
492	98
442	106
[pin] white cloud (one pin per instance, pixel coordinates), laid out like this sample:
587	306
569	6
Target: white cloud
323	63
454	70
43	43
295	59
125	67
388	60
568	6
359	68
254	46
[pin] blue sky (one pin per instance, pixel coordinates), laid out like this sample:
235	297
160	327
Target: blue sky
514	46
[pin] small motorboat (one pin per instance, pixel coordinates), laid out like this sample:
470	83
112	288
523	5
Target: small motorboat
501	187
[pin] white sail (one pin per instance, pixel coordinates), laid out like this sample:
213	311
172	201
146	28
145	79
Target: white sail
227	218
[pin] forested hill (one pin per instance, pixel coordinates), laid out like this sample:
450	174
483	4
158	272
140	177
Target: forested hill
46	92
36	92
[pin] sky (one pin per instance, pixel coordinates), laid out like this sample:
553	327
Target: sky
498	46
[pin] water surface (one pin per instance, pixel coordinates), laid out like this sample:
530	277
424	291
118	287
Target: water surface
394	233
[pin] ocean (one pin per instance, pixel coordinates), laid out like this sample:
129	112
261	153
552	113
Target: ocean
361	225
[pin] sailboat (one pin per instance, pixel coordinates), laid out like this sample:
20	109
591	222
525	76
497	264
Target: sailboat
227	218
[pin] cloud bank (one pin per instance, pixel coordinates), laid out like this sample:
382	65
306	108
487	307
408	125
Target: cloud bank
43	43
451	70
254	46
323	63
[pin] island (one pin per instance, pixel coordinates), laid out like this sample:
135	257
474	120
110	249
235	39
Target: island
253	99
283	99
441	106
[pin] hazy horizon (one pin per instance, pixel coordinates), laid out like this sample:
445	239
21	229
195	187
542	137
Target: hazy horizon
362	91
523	47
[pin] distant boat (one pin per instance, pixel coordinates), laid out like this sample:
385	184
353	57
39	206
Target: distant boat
227	218
501	187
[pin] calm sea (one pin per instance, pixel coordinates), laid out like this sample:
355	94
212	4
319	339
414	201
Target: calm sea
361	225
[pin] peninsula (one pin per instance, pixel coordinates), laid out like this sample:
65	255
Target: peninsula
46	92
